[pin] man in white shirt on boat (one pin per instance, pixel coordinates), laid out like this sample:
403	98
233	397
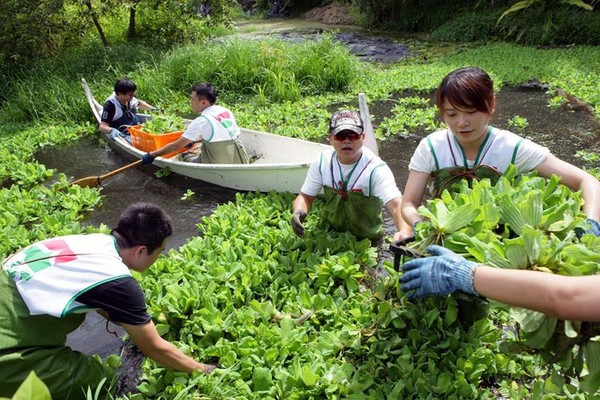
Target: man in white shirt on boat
120	110
356	183
216	128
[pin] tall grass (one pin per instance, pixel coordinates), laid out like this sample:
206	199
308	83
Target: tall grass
271	71
276	70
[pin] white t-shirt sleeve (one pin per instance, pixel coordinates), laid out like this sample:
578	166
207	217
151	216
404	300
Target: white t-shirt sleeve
199	129
422	159
313	183
530	155
384	185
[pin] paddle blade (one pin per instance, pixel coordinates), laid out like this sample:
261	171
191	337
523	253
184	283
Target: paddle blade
88	181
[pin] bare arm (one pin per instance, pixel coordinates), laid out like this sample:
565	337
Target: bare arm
166	354
413	196
563	297
576	179
394	207
145	106
303	202
173	146
104	127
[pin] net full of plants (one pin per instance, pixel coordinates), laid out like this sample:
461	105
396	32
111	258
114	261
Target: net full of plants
524	222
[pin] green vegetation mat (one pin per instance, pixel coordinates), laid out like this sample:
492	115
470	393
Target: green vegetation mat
286	318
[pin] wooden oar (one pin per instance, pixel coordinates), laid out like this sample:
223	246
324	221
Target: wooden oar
93	181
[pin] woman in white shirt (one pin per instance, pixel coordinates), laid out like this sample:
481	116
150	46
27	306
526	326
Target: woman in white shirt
470	148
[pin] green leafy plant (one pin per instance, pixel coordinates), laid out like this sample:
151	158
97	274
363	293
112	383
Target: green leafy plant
587	156
557	101
525	222
32	388
409	115
538	17
518	123
188	195
524	4
166	171
161	124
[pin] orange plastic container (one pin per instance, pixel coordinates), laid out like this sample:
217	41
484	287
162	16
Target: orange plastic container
148	142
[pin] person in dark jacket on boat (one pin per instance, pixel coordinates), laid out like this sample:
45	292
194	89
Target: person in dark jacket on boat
46	289
120	110
215	128
356	183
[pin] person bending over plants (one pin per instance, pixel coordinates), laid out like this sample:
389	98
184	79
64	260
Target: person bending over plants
470	148
46	288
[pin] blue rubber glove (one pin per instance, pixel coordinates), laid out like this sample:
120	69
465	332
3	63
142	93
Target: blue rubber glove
147	159
439	275
595	229
114	133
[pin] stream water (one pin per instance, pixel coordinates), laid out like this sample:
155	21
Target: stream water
565	131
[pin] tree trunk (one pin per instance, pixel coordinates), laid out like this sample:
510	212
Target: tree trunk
131	29
94	16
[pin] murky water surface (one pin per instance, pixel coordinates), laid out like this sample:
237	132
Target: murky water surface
89	157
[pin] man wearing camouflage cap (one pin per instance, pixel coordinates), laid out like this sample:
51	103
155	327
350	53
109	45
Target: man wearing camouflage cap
355	182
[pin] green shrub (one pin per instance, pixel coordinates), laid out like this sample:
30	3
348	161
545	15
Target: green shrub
468	27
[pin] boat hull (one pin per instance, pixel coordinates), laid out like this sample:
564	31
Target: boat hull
262	175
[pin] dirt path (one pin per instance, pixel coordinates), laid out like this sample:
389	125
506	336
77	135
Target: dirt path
333	14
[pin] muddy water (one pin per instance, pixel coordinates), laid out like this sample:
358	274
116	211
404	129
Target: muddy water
89	157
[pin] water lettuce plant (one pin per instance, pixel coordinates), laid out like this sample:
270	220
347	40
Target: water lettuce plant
311	318
524	222
308	318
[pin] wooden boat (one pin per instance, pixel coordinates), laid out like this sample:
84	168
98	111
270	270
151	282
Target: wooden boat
281	163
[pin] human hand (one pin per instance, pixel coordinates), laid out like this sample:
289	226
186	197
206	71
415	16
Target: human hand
297	218
208	368
147	159
401	235
439	275
113	134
